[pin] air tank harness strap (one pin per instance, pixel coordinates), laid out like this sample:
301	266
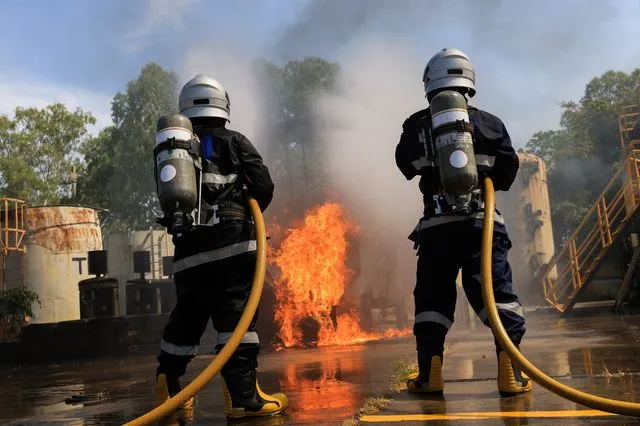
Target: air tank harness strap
439	206
192	146
456	126
231	211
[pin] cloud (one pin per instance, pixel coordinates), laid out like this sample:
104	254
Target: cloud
30	93
232	67
170	15
529	55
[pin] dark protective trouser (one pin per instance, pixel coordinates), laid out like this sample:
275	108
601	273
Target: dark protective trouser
216	290
443	251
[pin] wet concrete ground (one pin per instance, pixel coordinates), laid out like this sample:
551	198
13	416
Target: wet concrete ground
597	354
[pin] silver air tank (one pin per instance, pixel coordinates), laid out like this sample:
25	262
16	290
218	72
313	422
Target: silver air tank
453	143
177	164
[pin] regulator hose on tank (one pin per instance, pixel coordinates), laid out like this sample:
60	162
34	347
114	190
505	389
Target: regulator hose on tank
173	404
583	398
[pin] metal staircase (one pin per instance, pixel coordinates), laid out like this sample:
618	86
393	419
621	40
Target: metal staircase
608	222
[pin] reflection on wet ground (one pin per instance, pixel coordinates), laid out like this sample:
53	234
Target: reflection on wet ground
327	385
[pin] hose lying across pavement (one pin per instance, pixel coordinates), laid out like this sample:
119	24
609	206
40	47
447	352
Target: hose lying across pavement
172	404
588	400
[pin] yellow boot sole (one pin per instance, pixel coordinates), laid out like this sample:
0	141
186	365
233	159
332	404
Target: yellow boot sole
507	384
436	380
275	404
162	394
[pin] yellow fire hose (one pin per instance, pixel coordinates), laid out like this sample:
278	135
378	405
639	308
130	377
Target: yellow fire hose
172	404
588	400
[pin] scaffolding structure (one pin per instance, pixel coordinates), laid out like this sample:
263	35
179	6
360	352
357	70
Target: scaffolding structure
12	230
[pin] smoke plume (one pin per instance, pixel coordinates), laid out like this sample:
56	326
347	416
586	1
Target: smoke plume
226	63
529	56
363	122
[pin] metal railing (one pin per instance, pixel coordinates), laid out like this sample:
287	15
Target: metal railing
12	225
628	119
577	262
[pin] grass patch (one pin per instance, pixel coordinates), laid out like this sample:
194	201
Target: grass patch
401	372
374	405
399	375
371	406
353	421
608	374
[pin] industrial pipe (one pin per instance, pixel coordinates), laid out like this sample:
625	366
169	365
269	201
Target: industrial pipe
583	398
173	404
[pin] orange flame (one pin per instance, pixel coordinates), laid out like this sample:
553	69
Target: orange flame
312	261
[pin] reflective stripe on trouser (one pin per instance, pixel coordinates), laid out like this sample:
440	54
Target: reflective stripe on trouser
215	292
512	307
435	317
180	350
249	337
214	255
443	252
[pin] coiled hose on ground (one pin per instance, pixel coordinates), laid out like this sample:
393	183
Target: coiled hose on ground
588	400
172	404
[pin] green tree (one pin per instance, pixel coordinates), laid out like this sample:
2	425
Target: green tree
295	87
97	170
38	150
582	155
119	161
297	159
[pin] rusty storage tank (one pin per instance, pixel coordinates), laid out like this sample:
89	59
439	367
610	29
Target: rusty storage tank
98	295
527	212
58	241
121	246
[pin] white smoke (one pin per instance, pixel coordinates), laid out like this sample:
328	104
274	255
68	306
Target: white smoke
235	72
363	123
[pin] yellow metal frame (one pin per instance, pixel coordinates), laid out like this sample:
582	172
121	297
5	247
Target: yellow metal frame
12	225
572	268
628	118
576	263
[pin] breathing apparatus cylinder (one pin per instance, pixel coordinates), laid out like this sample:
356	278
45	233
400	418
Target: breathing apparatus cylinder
177	157
452	136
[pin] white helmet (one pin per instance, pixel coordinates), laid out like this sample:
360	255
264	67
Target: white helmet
202	96
449	68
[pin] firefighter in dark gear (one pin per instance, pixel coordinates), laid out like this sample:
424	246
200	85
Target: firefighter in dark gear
214	262
447	242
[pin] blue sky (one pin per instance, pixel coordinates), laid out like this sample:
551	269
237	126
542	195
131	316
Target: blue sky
529	55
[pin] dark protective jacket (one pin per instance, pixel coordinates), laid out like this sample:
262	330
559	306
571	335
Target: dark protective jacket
495	158
226	229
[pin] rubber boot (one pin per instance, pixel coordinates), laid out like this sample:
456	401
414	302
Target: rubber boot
244	398
169	387
431	382
511	381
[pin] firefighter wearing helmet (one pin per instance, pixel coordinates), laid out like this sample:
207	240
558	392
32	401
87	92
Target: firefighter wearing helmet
452	147
215	248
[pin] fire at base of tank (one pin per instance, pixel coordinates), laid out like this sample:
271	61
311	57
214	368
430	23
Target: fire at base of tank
314	270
